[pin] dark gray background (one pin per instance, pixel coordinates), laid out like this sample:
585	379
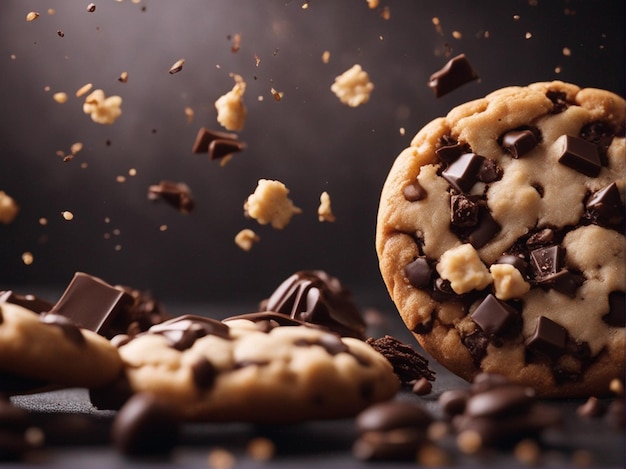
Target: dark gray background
308	140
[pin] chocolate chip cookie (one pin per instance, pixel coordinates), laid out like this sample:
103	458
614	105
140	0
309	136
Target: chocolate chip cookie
49	350
500	236
252	370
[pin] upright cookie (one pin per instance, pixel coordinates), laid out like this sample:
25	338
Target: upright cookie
500	236
39	350
253	370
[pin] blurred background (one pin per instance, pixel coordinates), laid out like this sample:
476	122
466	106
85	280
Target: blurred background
308	140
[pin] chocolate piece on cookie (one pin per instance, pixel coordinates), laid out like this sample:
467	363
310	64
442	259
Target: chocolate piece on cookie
510	257
234	370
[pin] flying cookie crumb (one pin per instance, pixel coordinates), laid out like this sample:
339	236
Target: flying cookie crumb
231	112
353	87
324	211
246	238
270	204
8	208
102	110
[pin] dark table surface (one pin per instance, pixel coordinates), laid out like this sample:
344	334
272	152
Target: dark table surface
77	435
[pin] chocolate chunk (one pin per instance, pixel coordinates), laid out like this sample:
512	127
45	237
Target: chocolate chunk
516	261
489	171
217	144
547	261
176	194
407	363
392	415
453	401
579	155
549	338
485	230
541	238
476	343
30	302
605	207
600	134
204	373
519	142
419	273
144	312
559	101
395	445
422	387
502	400
145	425
112	396
315	297
70	330
92	303
450	151
414	192
493	316
455	73
616	316
564	281
464	210
462	173
183	331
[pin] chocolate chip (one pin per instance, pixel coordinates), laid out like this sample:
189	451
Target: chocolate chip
547	261
392	415
579	155
145	425
516	261
519	142
112	396
485	230
422	387
419	272
616	316
395	445
204	373
559	101
476	343
464	210
220	148
450	151
407	363
605	207
70	330
549	338
455	73
176	194
600	134
414	192
507	399
493	316
453	401
462	173
489	171
183	331
540	238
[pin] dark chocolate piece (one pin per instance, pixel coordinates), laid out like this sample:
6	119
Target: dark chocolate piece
204	373
489	171
453	401
183	331
30	302
176	194
315	297
485	230
92	303
450	152
600	134
268	320
547	261
407	363
112	396
462	174
422	387
605	207
392	415
516	261
396	445
419	273
227	143
519	142
559	101
476	343
580	155
493	316
549	338
540	238
455	73
414	192
70	330
502	400
616	316
221	148
145	425
464	210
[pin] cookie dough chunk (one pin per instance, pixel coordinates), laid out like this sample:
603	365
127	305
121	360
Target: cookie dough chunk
237	371
48	349
500	237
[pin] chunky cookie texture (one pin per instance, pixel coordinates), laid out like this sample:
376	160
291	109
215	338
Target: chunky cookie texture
500	237
255	370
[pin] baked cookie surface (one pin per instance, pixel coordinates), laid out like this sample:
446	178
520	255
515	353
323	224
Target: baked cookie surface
500	237
256	370
49	350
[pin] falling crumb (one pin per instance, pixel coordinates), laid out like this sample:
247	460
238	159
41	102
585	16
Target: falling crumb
121	178
13	56
385	13
60	33
43	221
469	442
8	208
616	387
437	25
51	11
221	459
91	7
27	258
324	211
278	95
163	228
527	452
236	43
76	147
32	16
118	247
177	67
189	113
558	69
326	56
305	5
516	17
567	51
46	88
132	172
83	90
373	4
60	97
231	112
123	78
437	430
67	215
457	34
353	87
261	449
528	35
402	131
246	238
102	110
270	204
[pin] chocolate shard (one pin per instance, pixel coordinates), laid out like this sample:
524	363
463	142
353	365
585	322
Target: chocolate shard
220	148
462	174
486	228
450	151
493	316
605	207
176	194
547	261
579	154
206	136
600	134
519	142
489	171
419	273
549	338
457	72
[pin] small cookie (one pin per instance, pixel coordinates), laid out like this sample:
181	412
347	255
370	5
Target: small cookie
49	349
500	236
238	371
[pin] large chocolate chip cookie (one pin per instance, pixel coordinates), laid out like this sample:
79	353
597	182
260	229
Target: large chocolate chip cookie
500	237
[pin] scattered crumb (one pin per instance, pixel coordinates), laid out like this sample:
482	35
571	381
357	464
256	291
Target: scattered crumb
469	442
121	178
278	95
326	56
528	35
270	204
236	43
51	11
60	33
221	459
373	3
353	87
67	215
163	228
430	455
616	387
567	52
123	78
91	7
527	452
385	13
84	89
60	97
76	147
437	24
261	449
516	17
190	114
402	131
246	238
231	112
177	67
324	211
457	34
102	110
32	16
43	221
27	258
8	208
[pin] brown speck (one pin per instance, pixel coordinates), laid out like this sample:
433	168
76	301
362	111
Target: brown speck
91	7
257	60
83	89
60	33
278	95
177	67
236	43
123	78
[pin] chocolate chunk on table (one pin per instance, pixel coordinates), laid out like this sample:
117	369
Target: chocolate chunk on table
455	73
